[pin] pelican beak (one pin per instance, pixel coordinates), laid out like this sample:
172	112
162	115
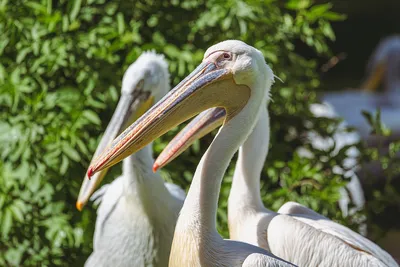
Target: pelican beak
203	124
371	84
129	108
207	86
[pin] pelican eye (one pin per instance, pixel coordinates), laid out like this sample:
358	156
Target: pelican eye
226	55
223	58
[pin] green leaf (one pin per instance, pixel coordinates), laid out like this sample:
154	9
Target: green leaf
14	256
298	4
76	6
3	45
2	200
196	146
49	6
319	10
36	6
2	73
65	23
64	165
20	204
97	104
333	16
152	21
6	223
16	211
113	93
328	31
242	26
70	152
82	146
121	23
91	116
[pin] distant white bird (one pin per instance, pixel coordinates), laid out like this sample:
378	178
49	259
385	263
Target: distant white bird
234	76
137	215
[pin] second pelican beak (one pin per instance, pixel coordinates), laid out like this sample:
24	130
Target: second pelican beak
129	108
207	86
372	82
203	124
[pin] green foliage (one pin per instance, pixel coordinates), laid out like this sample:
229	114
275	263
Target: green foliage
61	65
382	184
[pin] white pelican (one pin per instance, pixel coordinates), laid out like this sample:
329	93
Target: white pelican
249	221
137	215
233	75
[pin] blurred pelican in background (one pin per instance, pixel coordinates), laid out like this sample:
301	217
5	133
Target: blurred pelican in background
138	211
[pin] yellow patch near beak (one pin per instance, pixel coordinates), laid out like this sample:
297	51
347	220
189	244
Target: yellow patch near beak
142	108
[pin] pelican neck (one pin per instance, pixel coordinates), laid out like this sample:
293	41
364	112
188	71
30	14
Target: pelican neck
245	189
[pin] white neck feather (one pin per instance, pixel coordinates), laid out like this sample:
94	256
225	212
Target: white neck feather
200	208
147	190
136	171
245	191
143	156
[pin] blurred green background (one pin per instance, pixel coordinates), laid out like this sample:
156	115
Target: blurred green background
61	65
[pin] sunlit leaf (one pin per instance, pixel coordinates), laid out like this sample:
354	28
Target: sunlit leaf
22	54
2	200
121	23
17	213
6	223
91	116
64	165
70	151
334	16
298	4
76	6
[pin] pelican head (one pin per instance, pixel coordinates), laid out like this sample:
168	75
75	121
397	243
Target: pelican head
231	74
145	82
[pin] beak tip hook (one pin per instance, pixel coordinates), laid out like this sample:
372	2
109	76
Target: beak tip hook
155	167
90	173
79	205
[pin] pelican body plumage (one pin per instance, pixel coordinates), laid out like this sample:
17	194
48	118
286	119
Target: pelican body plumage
138	211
